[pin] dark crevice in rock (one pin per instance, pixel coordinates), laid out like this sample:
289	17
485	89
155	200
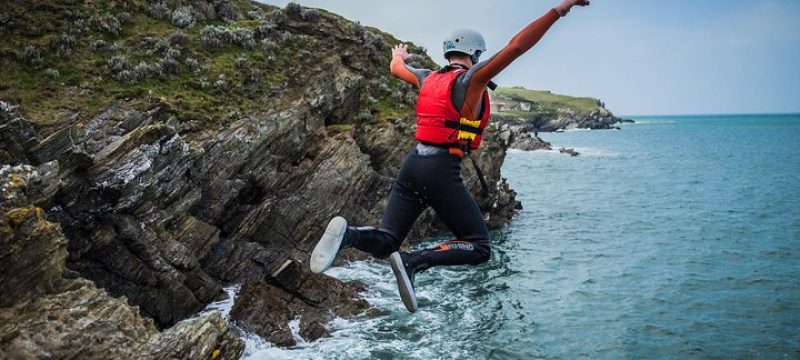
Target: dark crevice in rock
248	198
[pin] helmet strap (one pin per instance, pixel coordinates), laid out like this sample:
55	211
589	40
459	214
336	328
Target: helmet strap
475	57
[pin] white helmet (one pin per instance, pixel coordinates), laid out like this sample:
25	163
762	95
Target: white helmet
465	41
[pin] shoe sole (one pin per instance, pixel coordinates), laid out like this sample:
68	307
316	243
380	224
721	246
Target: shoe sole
403	282
328	246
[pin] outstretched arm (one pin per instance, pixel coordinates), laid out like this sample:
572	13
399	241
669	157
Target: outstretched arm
479	75
404	72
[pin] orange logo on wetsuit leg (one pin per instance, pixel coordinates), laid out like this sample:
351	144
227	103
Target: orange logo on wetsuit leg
455	245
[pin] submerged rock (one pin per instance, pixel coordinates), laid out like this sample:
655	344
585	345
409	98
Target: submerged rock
570	151
524	140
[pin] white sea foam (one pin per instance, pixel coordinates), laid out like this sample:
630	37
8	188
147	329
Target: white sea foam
223	306
362	337
595	152
254	344
534	152
347	335
294	327
586	152
652	122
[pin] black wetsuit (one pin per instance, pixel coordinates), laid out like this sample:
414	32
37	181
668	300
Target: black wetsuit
430	177
429	180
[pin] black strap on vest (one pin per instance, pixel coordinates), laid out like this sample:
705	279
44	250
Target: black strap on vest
465	148
484	185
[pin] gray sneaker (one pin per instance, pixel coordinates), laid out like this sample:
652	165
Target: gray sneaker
405	281
329	245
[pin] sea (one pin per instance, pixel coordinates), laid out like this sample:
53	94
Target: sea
677	237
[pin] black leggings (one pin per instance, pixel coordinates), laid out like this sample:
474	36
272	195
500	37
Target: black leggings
430	180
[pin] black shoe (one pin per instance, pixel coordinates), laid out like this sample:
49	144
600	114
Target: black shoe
332	241
404	282
405	267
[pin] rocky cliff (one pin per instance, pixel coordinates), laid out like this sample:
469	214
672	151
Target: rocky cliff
176	146
527	112
48	311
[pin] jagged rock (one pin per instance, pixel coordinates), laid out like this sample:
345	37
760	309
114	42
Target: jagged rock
29	247
23	185
277	307
207	337
524	140
62	146
565	120
17	136
45	313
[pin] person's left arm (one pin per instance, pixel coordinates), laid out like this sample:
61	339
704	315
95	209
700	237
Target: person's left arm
402	71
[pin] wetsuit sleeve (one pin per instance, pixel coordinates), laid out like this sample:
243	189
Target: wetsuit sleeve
478	77
407	73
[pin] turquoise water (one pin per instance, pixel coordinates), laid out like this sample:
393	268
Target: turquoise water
677	237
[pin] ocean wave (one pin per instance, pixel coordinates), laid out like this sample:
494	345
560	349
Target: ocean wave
224	306
598	152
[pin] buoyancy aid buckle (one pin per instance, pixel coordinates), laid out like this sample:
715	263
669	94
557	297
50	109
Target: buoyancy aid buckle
466	129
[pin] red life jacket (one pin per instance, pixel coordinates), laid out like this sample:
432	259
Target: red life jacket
438	120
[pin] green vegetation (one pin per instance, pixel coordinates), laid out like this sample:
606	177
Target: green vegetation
88	83
204	61
548	103
338	128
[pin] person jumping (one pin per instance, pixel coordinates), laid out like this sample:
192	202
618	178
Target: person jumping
452	113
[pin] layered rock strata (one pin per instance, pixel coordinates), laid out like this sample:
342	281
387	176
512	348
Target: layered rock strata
49	312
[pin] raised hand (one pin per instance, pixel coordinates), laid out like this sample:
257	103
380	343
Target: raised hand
566	5
402	50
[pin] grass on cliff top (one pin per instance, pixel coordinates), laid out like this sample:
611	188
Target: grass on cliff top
547	102
83	85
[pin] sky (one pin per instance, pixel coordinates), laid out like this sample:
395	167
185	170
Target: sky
641	57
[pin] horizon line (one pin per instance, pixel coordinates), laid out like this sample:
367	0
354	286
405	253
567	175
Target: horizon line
711	114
